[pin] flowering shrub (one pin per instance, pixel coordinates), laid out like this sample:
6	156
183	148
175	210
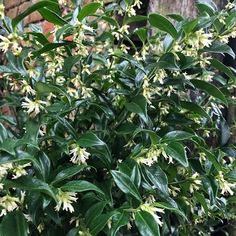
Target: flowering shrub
104	137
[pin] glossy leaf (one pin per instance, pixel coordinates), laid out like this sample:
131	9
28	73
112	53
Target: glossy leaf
68	173
193	107
146	224
88	10
158	177
14	223
163	24
177	152
221	48
78	186
210	89
31	9
125	184
138	106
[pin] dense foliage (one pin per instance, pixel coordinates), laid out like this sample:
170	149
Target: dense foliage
105	137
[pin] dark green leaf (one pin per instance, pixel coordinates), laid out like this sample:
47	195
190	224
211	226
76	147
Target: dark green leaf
78	186
31	184
50	46
177	151
223	68
94	211
211	187
178	135
14	223
202	200
158	177
138	106
31	9
88	10
167	61
212	158
210	89
193	107
68	173
146	224
218	47
99	222
122	220
89	140
169	207
163	24
52	16
142	34
125	184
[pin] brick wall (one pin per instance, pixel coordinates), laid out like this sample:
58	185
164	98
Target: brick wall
15	7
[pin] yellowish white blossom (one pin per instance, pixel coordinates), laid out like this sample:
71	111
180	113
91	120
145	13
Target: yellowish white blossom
122	30
153	211
19	170
73	92
41	227
137	3
202	157
229	5
86	69
11	42
199	39
26	88
5	43
33	107
174	191
195	183
225	186
79	155
4	169
160	75
86	92
65	200
60	80
131	11
8	203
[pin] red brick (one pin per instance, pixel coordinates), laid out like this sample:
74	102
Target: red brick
35	17
10	3
13	12
24	6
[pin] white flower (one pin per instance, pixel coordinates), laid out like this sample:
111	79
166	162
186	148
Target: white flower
20	171
62	2
4	44
4	169
86	92
225	186
160	75
11	41
79	155
131	11
122	30
195	184
174	191
26	88
73	92
153	210
33	107
137	3
200	39
229	6
60	80
65	200
8	203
